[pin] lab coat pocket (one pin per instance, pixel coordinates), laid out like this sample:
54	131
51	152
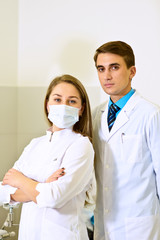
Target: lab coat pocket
131	148
54	231
143	228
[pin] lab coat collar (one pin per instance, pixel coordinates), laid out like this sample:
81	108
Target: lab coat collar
50	135
122	118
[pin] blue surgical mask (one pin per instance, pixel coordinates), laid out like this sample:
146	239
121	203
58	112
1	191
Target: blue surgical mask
63	116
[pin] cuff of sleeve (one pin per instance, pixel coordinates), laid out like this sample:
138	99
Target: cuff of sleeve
5	192
44	198
40	198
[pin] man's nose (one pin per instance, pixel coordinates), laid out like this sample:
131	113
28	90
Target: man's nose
107	74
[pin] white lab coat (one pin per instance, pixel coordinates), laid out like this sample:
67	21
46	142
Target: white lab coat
58	212
128	172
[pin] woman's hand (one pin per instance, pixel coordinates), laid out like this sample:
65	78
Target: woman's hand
59	173
13	178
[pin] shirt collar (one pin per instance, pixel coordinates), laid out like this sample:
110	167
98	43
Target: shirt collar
122	101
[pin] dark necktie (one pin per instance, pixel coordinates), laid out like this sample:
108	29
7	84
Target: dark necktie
113	109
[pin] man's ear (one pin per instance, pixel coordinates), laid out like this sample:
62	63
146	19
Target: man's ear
132	72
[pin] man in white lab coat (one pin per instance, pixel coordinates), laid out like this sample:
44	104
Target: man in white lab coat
127	145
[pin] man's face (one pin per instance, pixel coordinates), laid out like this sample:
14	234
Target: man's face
114	76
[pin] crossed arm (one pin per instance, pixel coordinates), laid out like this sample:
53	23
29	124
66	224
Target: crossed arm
26	187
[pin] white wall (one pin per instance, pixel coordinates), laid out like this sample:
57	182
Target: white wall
8	82
8	42
62	36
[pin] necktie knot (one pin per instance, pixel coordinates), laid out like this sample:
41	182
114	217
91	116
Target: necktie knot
113	109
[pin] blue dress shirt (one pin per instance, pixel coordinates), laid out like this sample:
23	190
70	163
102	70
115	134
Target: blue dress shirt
121	102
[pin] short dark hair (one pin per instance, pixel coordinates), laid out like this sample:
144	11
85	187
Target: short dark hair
120	48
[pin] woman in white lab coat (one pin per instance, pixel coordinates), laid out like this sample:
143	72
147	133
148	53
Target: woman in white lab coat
52	210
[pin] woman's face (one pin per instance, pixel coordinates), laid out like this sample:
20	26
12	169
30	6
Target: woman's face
66	94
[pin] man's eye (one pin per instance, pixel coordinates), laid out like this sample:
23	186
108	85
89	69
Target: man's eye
114	67
100	69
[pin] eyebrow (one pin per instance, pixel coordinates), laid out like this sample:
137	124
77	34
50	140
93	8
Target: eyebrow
99	66
56	94
110	65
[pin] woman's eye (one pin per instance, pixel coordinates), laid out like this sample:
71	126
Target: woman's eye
57	99
72	101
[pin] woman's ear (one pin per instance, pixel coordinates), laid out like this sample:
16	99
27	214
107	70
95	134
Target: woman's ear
47	106
82	109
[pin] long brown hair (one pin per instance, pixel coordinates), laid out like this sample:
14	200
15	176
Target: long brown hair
84	125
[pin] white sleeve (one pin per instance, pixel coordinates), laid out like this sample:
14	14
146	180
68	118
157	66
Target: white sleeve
153	133
18	165
5	192
78	164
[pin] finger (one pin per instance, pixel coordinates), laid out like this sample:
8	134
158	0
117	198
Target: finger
12	170
62	173
5	178
54	178
4	182
9	173
51	180
60	170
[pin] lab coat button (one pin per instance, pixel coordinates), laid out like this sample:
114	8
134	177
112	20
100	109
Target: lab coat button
107	166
